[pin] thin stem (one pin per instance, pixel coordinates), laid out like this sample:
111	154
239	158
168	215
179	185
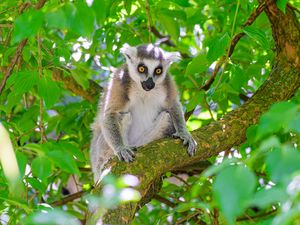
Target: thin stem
149	20
68	198
208	108
228	51
41	76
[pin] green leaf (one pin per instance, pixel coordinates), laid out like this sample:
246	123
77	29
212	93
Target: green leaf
27	25
26	53
51	217
83	22
80	78
294	125
266	197
269	143
233	190
217	47
183	3
258	35
277	118
283	163
23	81
49	91
127	4
217	168
57	19
281	4
170	25
183	207
99	8
64	160
22	161
199	64
36	184
73	149
194	101
41	167
290	217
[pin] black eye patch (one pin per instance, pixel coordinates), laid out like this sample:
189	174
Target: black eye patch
158	70
142	68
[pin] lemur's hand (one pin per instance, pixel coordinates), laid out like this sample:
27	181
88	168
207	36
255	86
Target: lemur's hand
187	140
126	153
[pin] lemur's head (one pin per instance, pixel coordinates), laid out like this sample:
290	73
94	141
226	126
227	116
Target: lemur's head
148	64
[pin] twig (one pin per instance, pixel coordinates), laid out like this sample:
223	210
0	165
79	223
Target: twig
70	84
208	108
173	205
231	37
25	133
19	50
257	216
165	201
149	20
190	216
12	64
68	198
215	216
231	48
8	9
293	7
4	25
181	179
166	41
41	126
233	43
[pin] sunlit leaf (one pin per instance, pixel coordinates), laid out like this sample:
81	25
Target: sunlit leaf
41	167
218	47
257	35
197	65
233	190
64	160
282	163
49	91
27	25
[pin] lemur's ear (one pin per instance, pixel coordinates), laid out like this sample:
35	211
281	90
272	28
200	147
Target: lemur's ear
172	57
129	52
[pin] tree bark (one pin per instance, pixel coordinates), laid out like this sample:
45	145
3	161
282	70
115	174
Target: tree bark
157	158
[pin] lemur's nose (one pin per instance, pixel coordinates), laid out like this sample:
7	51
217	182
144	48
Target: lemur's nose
148	84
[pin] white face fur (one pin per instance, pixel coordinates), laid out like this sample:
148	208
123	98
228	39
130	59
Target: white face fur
148	64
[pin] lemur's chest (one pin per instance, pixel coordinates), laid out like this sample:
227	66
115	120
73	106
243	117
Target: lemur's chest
144	109
145	106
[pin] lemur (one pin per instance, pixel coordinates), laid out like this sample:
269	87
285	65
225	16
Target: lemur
140	105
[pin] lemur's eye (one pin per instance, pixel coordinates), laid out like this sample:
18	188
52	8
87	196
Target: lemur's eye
158	71
142	68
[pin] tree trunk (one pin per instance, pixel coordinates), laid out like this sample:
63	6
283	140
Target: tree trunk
157	158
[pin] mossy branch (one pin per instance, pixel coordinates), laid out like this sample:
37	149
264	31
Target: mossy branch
159	157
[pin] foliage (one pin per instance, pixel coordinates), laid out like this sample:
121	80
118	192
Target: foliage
49	125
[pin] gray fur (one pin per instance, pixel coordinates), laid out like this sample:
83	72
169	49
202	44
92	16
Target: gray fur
130	116
149	52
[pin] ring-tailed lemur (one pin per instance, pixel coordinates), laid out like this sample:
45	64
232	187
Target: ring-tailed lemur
140	105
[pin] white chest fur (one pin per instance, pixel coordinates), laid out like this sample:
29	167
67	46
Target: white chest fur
144	109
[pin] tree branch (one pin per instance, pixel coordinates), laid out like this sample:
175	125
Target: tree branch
230	50
19	50
70	84
68	198
157	158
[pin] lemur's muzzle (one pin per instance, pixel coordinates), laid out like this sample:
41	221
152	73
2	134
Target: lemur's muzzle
148	84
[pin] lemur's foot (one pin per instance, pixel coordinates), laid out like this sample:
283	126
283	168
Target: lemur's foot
187	140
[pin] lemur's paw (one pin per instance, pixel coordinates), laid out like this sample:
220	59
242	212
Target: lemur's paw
126	154
187	140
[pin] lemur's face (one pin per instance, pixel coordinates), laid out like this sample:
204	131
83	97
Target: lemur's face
148	64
